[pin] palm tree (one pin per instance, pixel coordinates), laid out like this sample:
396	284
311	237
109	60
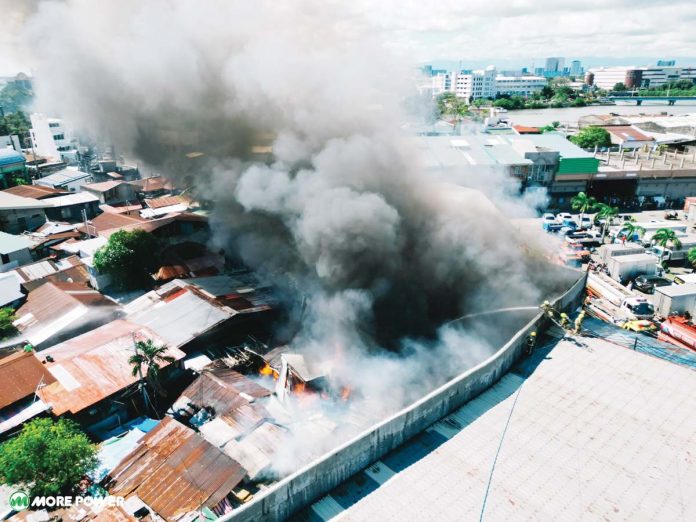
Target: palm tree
583	203
631	229
151	356
691	256
605	212
665	236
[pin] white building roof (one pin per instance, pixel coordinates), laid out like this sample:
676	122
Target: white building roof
72	199
10	201
10	243
594	433
9	288
62	177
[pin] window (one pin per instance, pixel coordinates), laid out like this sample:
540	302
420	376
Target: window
5	258
58	136
54	125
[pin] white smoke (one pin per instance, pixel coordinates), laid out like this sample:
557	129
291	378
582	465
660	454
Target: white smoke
343	214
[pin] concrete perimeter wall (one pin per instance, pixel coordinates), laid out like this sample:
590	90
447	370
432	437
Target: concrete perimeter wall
319	477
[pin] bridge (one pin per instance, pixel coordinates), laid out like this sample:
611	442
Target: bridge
671	100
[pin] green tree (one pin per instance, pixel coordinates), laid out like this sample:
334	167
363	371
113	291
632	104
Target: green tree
589	137
7	317
691	256
47	458
14	97
631	229
547	92
666	236
583	204
129	257
149	355
619	87
607	213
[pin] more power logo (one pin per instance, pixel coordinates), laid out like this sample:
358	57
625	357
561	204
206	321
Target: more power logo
19	501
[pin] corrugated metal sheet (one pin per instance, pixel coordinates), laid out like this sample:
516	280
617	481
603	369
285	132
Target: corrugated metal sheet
175	471
255	452
98	361
20	375
221	389
166	201
35	191
181	319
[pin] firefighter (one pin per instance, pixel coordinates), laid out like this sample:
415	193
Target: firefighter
565	320
547	308
531	342
578	322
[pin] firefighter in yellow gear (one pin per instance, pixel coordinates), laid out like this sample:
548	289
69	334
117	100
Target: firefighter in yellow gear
565	320
531	342
578	322
547	308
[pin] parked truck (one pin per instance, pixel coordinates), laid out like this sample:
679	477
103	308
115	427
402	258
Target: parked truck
626	268
606	252
672	254
613	302
650	228
675	299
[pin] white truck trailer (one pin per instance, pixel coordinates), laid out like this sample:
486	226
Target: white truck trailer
672	254
626	268
606	252
613	302
675	299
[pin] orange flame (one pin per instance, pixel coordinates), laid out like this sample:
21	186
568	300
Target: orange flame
345	393
266	370
299	388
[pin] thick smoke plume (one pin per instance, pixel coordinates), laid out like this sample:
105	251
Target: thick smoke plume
373	251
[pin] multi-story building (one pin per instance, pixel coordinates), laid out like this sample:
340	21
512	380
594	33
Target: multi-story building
519	85
554	65
49	136
575	68
467	84
640	77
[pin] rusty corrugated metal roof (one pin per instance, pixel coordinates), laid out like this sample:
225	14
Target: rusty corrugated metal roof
94	366
35	191
175	471
166	201
221	389
20	374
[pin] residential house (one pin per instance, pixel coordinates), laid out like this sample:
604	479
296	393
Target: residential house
14	251
628	137
51	234
152	187
56	311
70	179
19	214
73	207
21	375
35	191
112	192
67	270
175	473
93	368
85	250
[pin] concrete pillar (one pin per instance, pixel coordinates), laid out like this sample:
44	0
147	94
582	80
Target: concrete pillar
675	154
681	163
649	153
664	159
652	165
623	163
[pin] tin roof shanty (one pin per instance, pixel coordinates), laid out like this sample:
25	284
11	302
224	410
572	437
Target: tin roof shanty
55	311
94	366
175	472
20	375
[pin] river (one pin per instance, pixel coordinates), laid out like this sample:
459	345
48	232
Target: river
570	115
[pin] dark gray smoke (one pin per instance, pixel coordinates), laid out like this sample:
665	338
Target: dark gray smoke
341	212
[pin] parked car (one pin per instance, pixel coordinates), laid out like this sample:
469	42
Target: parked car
560	218
647	284
586	222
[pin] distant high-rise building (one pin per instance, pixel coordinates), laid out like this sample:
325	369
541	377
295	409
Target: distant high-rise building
666	63
539	71
555	64
575	68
